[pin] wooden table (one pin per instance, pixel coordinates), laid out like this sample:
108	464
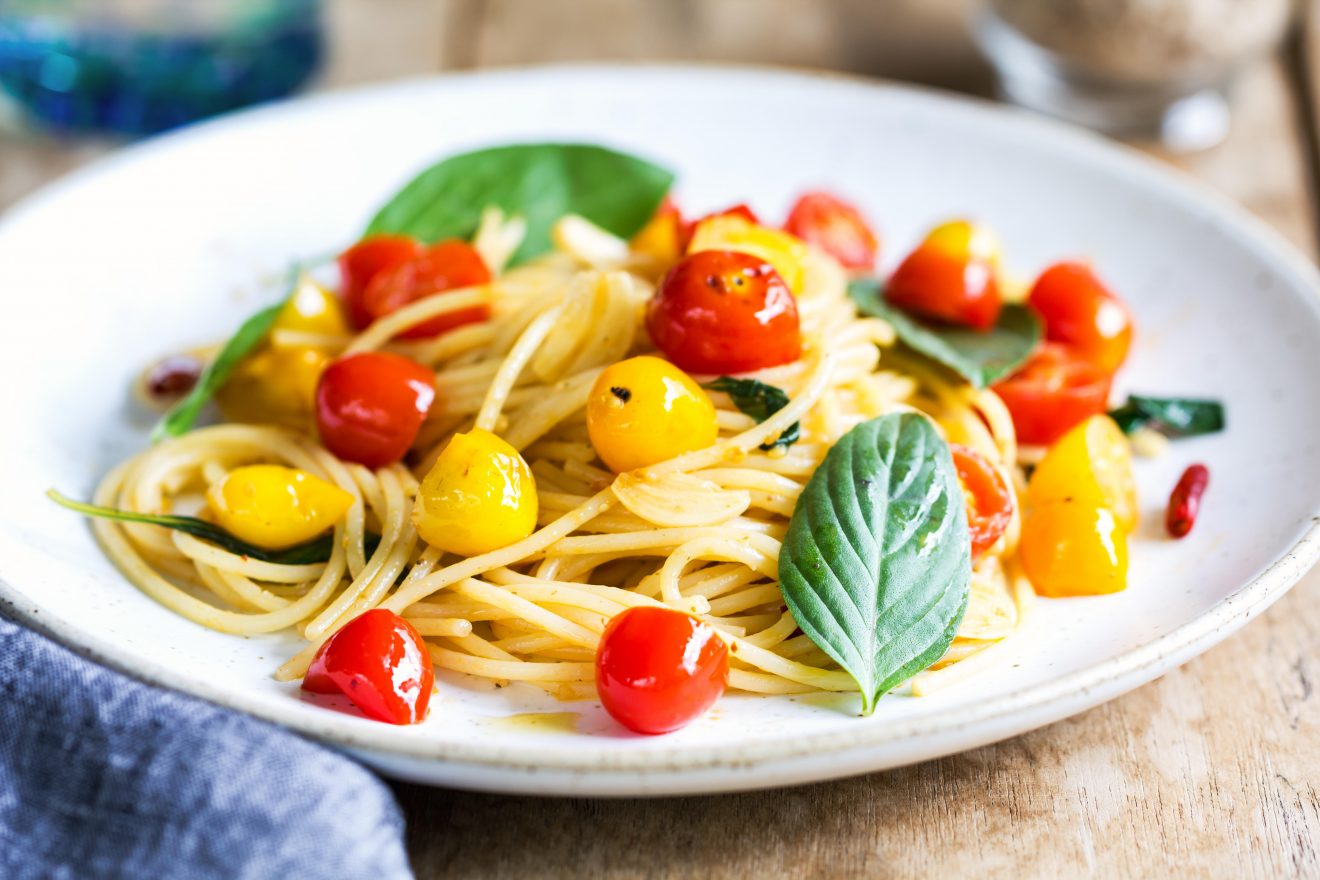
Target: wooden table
1214	770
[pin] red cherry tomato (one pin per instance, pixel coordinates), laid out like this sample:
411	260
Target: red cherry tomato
1053	391
1080	312
446	266
363	262
724	312
379	662
370	406
947	287
989	502
657	669
834	226
687	227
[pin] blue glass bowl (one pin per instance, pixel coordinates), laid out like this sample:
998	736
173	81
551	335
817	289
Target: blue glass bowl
73	67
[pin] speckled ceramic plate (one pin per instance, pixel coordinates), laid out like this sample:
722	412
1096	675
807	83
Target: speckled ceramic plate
167	244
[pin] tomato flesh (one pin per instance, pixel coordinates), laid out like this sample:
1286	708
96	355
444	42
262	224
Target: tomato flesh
379	661
360	264
657	669
834	226
947	287
989	501
1080	311
724	312
370	406
449	265
1054	390
687	227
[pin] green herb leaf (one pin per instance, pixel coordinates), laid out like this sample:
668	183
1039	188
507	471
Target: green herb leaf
1171	416
538	182
980	358
183	415
313	551
760	401
876	566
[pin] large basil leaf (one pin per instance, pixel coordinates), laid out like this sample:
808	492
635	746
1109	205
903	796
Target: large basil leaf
980	358
876	566
316	550
1172	416
538	182
760	401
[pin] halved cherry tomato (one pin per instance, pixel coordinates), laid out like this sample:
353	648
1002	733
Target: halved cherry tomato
370	406
665	235
724	312
379	661
989	502
1081	312
1072	548
834	226
657	669
448	265
363	262
950	277
1053	391
740	210
1092	463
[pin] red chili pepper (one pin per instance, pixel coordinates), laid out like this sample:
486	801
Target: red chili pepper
1185	502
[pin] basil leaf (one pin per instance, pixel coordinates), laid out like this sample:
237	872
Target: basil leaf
760	401
181	417
1171	416
313	551
876	566
538	182
980	358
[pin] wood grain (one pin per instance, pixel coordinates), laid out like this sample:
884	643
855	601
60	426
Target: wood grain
1212	771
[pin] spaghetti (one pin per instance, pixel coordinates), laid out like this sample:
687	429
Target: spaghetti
700	532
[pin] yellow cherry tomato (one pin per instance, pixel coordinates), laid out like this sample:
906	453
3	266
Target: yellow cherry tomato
965	240
312	309
479	496
645	410
1092	464
1071	548
727	232
275	386
661	237
274	506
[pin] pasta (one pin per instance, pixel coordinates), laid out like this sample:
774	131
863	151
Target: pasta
700	532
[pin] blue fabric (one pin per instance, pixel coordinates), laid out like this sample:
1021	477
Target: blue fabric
102	776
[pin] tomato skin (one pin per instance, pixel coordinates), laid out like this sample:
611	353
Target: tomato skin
1081	312
989	501
687	227
834	226
665	236
1053	391
448	265
657	669
361	263
1071	548
724	312
379	661
947	287
1092	464
370	406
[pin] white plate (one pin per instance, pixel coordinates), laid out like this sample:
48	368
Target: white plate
165	245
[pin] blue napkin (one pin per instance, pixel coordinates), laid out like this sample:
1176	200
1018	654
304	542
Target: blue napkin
102	776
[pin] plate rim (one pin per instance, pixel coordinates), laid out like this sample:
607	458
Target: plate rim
1059	697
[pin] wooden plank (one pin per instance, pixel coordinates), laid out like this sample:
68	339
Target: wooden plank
384	39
